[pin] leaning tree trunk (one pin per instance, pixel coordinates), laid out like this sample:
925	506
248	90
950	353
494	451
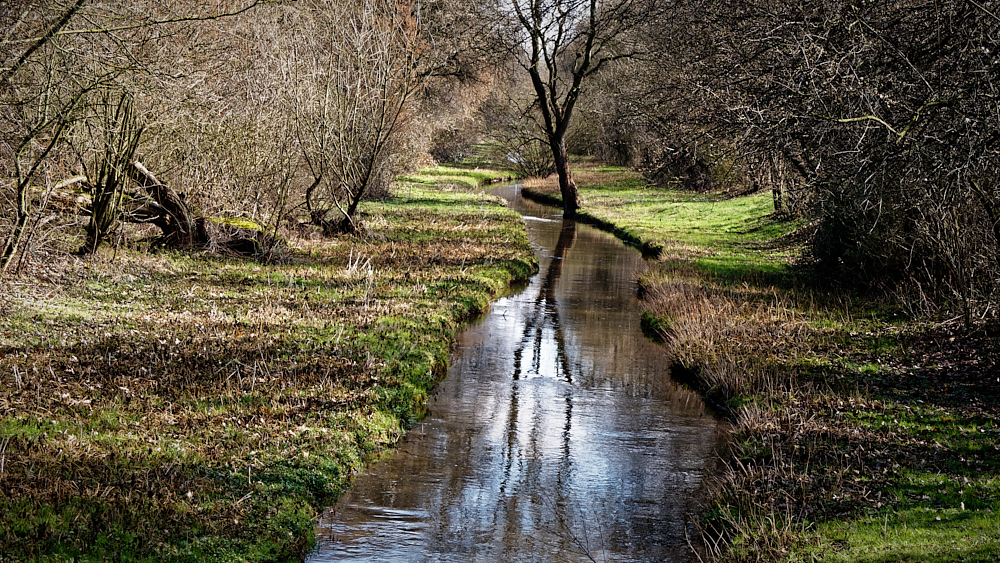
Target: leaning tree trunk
178	223
567	187
19	224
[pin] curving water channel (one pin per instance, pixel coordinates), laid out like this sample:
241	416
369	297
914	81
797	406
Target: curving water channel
556	436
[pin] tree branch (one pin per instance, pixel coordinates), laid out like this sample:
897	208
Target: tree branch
39	42
181	19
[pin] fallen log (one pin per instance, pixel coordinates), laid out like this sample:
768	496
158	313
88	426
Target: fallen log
178	224
158	204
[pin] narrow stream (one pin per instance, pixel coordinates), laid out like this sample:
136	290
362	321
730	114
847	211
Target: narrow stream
556	436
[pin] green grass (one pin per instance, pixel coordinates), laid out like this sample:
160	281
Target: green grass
186	406
724	236
464	177
858	434
912	535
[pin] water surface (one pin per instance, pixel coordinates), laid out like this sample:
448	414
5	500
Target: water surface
556	436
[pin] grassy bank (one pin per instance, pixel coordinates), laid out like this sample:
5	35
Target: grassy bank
722	236
180	406
858	433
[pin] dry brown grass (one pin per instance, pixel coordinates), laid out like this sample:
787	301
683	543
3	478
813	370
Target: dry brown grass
730	333
736	341
792	371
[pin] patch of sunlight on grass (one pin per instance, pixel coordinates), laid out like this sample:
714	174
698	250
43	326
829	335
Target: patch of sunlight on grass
690	219
726	237
465	177
736	236
917	534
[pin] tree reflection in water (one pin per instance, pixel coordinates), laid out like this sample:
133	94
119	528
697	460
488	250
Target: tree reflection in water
544	316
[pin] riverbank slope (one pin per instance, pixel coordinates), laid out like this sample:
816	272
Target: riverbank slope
858	432
190	406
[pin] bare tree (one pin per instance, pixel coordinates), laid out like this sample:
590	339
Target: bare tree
510	116
560	44
120	134
881	117
59	60
39	101
356	78
889	112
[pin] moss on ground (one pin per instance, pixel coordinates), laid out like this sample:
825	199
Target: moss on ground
859	433
178	407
